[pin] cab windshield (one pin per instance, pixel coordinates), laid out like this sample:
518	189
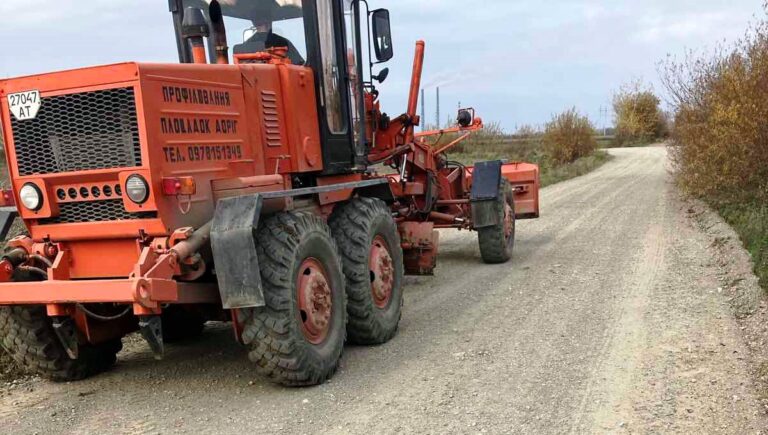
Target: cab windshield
257	25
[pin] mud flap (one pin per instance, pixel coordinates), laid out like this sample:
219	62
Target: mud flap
486	179
233	239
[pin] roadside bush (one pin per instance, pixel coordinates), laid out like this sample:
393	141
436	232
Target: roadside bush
639	118
721	120
720	134
569	136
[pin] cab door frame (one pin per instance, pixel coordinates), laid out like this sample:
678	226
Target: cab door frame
339	153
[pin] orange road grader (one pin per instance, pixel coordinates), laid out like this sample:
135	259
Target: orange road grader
259	184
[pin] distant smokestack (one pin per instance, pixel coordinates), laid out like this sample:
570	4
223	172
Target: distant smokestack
437	115
423	111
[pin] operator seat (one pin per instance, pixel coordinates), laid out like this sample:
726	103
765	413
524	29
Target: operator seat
262	41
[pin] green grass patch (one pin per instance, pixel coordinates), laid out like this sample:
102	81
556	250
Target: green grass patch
750	221
582	166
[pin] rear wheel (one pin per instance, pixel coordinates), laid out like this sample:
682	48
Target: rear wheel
27	334
373	266
498	241
298	337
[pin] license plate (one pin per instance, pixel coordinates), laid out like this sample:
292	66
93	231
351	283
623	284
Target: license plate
25	105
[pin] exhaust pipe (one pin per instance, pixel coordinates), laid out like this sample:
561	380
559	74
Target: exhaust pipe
219	33
194	29
418	66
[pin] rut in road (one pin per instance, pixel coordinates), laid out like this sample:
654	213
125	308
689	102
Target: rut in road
605	321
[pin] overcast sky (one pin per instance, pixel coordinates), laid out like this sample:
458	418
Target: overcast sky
515	61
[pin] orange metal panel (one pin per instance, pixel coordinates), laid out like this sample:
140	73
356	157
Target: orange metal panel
102	258
339	195
114	290
298	90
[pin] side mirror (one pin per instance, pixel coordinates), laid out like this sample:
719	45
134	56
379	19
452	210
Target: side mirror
383	74
382	35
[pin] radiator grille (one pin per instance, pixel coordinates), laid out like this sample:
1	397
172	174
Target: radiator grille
77	132
95	211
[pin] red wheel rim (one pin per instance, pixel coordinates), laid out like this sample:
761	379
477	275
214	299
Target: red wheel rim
509	220
382	272
315	301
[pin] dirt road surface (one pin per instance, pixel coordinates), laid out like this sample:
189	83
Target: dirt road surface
611	319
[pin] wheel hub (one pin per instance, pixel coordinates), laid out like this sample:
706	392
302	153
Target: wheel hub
315	301
382	272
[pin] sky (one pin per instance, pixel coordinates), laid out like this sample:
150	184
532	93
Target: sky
516	62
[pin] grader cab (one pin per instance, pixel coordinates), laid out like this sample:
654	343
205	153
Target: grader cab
243	184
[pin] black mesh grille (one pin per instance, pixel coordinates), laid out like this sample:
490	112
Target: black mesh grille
95	211
76	132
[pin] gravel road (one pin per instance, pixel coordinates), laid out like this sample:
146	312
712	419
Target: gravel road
610	319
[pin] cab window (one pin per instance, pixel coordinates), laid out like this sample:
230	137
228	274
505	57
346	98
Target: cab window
332	79
257	25
353	66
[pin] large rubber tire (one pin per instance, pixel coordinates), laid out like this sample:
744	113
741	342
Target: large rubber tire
27	335
495	244
180	324
275	334
357	227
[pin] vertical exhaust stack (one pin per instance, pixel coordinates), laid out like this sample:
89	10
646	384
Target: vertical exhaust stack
219	33
418	67
193	29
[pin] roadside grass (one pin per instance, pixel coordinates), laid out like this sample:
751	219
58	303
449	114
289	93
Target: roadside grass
750	221
582	166
638	144
605	141
510	148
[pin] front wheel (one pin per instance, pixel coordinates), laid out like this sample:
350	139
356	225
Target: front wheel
498	241
27	335
298	337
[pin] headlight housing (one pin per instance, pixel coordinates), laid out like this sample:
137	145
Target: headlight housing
31	197
137	189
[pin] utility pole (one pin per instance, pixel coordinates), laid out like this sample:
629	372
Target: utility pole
423	113
437	114
604	119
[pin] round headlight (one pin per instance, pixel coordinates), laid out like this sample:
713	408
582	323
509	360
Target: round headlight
137	189
31	197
